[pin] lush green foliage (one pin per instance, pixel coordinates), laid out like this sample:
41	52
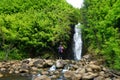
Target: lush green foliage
101	31
33	26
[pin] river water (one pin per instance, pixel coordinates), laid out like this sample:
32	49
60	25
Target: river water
15	77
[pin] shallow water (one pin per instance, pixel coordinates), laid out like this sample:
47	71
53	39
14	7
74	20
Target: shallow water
15	77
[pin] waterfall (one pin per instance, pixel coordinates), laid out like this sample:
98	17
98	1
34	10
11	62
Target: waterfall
77	48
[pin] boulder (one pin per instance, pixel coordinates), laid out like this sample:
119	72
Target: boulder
38	63
59	64
42	77
89	69
89	75
1	75
77	77
94	67
68	74
81	70
44	72
49	62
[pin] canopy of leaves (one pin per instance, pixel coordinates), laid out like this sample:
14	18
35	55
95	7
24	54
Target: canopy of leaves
101	30
35	25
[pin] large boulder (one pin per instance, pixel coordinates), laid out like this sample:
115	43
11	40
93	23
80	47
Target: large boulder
59	64
38	63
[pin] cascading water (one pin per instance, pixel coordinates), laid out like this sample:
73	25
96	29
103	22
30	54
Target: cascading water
77	48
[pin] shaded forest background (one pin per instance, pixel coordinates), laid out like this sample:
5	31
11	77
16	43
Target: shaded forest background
32	28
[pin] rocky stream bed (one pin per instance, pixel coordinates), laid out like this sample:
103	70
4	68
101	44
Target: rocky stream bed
43	69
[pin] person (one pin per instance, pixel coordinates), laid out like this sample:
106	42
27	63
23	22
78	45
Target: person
60	51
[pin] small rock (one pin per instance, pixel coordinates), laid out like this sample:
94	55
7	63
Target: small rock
3	69
81	70
68	74
102	73
45	72
1	75
94	67
34	69
16	72
78	76
108	79
88	69
89	75
99	78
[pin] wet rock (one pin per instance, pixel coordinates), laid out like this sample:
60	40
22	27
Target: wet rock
1	75
44	72
59	64
2	69
34	68
89	69
24	66
104	69
94	67
101	73
33	72
49	62
51	73
68	74
11	71
38	63
75	67
57	72
89	75
81	71
42	77
116	78
86	58
17	72
77	77
53	77
26	61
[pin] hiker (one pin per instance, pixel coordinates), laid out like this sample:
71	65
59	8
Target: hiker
60	51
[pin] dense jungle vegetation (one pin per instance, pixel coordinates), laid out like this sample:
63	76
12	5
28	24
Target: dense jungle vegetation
101	29
34	27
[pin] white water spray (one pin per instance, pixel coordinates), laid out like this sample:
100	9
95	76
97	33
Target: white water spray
77	48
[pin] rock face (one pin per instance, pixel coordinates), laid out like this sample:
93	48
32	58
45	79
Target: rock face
84	69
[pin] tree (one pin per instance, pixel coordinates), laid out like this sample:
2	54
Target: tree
34	26
101	32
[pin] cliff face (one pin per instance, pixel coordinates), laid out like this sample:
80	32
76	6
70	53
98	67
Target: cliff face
69	51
